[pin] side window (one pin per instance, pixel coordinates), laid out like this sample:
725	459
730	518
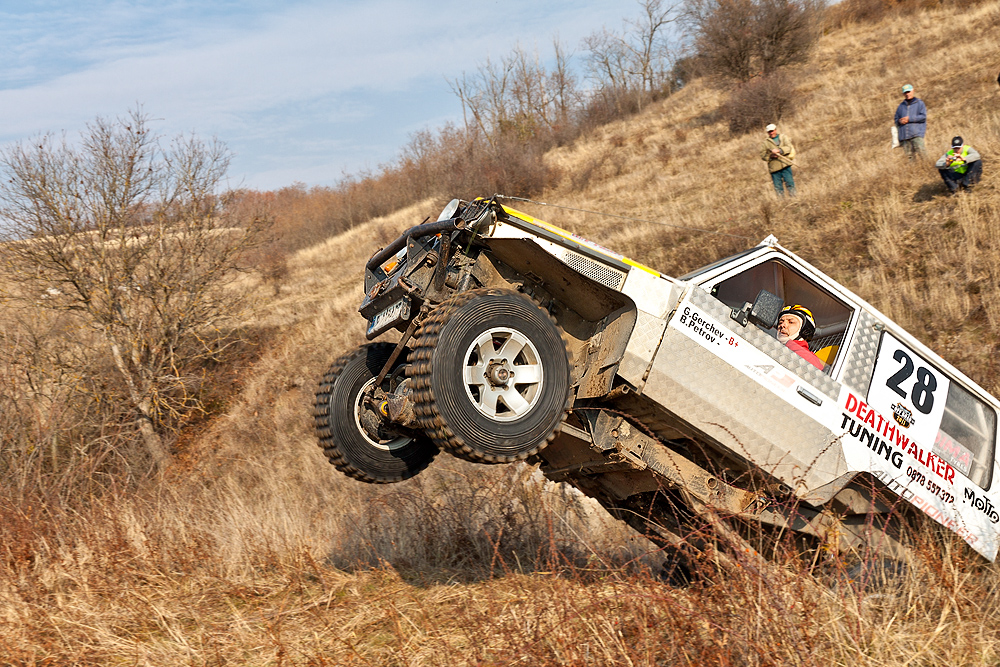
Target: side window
966	436
832	315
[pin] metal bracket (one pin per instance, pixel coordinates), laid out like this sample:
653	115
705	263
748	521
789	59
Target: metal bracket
414	323
646	453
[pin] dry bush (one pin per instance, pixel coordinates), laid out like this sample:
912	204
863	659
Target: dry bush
518	96
754	104
608	163
481	522
137	243
739	40
65	421
858	11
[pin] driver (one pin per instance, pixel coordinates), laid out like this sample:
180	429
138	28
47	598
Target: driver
796	327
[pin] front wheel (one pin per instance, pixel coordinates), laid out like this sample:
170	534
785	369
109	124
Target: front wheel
490	376
356	439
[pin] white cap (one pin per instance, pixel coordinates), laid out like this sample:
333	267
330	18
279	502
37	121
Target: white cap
770	127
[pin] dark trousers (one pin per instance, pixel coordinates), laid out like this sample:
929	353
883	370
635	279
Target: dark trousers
782	180
913	147
965	181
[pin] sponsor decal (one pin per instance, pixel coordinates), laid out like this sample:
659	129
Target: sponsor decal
902	415
943	516
870	439
872	428
908	387
983	504
953	452
773	373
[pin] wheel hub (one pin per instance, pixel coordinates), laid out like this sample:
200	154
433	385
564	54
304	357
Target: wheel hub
503	374
372	420
497	373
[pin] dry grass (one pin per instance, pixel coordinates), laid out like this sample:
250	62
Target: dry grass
248	579
255	551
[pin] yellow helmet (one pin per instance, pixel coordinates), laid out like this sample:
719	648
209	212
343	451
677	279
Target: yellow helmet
804	314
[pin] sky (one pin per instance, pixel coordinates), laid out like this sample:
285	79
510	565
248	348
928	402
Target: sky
300	91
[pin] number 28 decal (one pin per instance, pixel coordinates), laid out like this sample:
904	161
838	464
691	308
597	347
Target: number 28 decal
909	389
922	394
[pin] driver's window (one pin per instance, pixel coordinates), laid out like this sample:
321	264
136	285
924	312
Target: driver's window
832	315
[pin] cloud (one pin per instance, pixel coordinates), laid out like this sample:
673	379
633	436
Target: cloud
247	72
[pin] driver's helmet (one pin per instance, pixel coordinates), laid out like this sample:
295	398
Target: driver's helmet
804	314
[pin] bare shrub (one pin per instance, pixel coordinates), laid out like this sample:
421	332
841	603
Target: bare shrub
634	67
664	154
465	162
756	103
858	11
849	12
483	522
518	96
606	164
138	244
742	39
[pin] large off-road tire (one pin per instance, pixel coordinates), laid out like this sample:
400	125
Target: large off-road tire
353	436
490	376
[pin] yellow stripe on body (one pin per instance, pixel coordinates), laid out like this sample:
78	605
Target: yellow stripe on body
570	236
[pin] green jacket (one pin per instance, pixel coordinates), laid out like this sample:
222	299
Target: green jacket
787	153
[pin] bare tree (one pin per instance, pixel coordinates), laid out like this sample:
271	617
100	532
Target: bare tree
563	88
633	65
787	30
724	36
607	64
739	40
138	242
517	96
648	49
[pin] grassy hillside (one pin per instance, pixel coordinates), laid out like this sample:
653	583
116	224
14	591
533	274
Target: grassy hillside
254	551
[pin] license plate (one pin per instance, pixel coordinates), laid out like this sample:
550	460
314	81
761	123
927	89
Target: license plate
397	312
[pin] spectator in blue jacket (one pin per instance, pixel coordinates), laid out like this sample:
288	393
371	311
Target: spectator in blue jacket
911	123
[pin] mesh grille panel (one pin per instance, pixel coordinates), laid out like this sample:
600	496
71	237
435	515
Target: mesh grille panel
820	343
602	273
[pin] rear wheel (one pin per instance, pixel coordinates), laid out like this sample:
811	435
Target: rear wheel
355	437
490	376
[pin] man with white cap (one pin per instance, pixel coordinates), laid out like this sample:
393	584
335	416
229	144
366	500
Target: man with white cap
779	154
911	123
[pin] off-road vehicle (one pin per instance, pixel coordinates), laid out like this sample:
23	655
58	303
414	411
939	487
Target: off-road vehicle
669	400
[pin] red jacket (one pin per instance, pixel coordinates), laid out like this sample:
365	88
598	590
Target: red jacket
802	349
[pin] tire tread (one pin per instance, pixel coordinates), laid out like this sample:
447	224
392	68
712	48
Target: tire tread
323	425
425	405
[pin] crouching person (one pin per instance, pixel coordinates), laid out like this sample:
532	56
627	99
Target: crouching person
961	166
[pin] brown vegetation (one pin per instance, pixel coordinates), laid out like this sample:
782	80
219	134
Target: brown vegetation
739	40
131	246
252	550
